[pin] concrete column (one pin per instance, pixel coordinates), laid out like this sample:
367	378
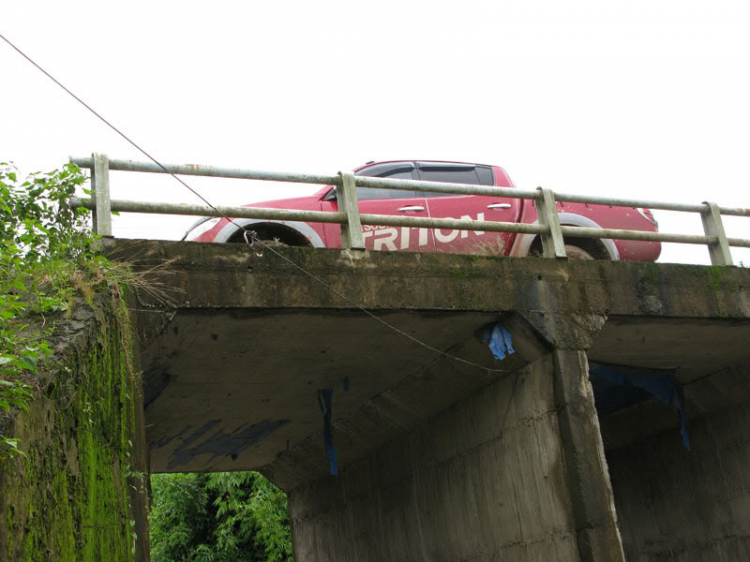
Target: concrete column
483	481
591	496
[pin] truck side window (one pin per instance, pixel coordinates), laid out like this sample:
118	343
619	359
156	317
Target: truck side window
450	175
486	177
397	170
455	173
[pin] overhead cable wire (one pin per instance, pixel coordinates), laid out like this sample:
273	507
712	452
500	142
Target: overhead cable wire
360	307
110	125
254	237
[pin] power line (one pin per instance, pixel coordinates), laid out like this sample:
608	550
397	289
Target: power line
110	125
357	305
254	239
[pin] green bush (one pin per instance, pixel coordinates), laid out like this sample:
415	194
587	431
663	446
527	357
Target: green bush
220	517
45	256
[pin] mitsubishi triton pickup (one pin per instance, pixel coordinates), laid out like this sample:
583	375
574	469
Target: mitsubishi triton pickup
440	205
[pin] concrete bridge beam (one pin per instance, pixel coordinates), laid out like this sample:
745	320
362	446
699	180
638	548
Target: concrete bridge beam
587	476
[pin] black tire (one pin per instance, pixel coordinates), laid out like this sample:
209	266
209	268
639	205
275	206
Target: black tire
273	235
576	248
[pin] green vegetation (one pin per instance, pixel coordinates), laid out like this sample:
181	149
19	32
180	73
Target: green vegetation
70	494
715	273
220	517
68	481
43	250
67	419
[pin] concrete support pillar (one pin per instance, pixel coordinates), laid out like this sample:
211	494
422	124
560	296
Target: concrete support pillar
483	480
515	471
591	496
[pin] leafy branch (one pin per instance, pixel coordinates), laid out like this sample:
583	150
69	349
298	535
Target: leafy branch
45	255
219	517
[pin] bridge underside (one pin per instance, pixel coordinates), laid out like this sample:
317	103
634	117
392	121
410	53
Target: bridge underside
440	459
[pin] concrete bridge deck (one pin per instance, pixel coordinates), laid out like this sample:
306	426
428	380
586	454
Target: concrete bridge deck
439	459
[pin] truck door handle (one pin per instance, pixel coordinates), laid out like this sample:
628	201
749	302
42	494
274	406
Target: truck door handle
499	206
411	208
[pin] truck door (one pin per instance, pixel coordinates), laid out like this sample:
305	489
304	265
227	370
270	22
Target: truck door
385	202
472	207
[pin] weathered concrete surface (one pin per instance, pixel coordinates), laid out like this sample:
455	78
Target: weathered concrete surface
687	505
234	362
484	480
242	322
694	347
585	468
675	504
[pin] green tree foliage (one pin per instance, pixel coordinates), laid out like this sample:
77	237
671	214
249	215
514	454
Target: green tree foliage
45	253
219	517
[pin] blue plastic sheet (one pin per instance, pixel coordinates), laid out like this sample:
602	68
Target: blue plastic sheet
617	387
325	397
498	338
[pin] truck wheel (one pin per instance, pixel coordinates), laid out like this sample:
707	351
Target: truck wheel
576	253
272	235
575	249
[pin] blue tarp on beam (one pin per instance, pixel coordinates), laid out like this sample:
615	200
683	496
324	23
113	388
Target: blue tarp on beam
617	387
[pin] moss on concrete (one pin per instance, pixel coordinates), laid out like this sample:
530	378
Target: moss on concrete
716	274
651	276
71	497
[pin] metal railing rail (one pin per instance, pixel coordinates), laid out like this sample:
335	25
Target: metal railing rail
548	227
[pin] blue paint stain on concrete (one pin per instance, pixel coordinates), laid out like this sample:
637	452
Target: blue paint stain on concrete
222	444
164	441
155	379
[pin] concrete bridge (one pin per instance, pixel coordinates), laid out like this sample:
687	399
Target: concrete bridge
443	451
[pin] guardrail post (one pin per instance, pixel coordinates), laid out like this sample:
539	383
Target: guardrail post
713	226
351	230
553	245
100	195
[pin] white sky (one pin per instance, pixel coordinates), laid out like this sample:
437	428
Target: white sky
635	99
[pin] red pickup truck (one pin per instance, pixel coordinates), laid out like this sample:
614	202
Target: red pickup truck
440	205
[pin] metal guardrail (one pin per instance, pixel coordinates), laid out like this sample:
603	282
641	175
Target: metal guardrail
351	220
